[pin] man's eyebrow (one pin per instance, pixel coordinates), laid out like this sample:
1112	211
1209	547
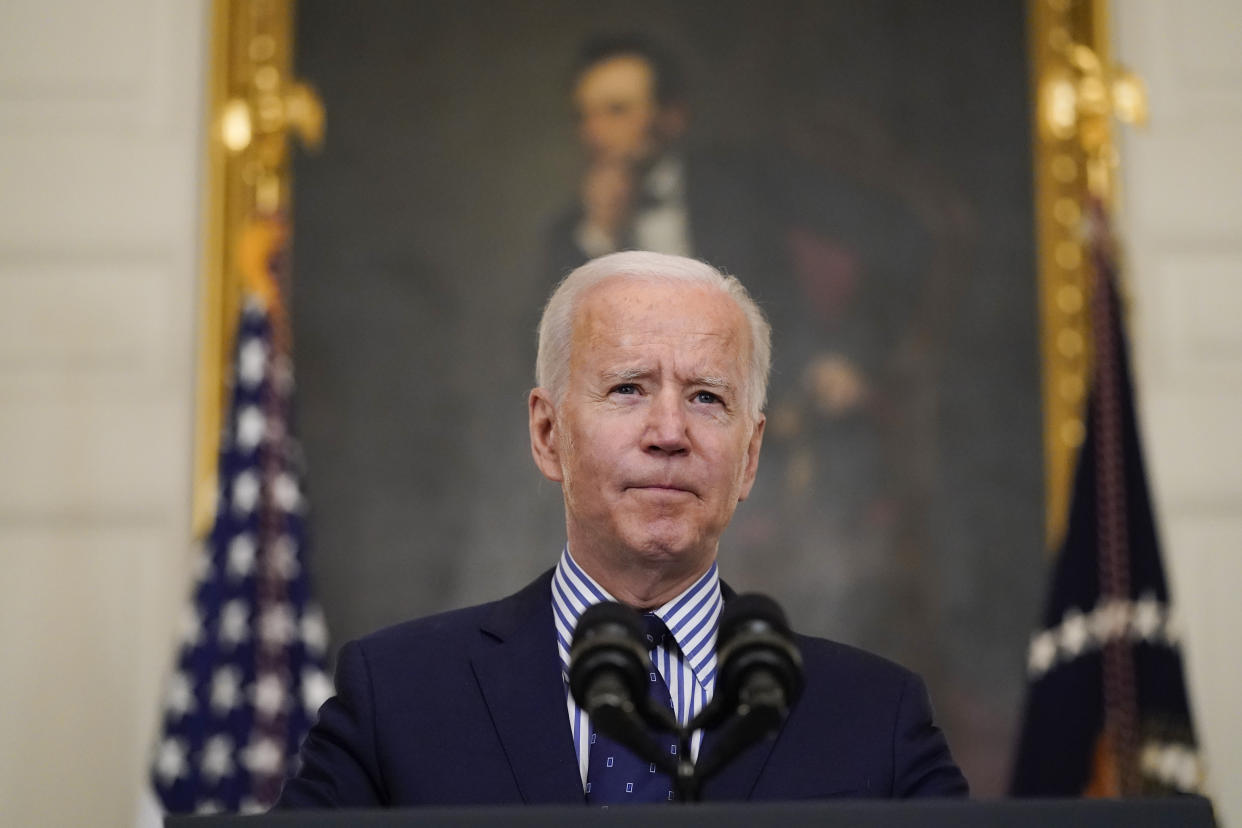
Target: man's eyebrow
626	374
632	374
713	382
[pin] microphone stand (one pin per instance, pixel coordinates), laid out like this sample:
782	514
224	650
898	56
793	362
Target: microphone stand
760	715
687	785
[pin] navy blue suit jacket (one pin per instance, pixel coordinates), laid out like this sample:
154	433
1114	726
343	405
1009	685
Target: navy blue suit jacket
468	707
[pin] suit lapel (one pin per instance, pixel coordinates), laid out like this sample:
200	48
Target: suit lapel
738	778
516	665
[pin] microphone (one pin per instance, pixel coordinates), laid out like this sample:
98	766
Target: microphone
758	678
608	676
760	664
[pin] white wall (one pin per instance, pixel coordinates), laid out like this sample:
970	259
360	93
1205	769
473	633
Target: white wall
100	145
1182	221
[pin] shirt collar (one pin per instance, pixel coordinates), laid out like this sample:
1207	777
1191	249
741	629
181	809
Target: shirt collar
692	617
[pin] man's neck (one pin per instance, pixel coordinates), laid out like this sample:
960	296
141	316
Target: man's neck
639	584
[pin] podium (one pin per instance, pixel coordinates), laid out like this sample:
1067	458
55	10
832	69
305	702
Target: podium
1182	812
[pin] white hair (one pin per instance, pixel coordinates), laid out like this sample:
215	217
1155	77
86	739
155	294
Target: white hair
556	325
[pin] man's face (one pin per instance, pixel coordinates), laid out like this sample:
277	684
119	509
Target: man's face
618	116
653	440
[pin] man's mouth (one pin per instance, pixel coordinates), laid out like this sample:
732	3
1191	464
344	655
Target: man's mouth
661	487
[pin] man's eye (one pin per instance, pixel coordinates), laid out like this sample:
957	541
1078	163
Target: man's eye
625	388
706	397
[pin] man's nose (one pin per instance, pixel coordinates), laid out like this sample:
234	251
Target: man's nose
667	426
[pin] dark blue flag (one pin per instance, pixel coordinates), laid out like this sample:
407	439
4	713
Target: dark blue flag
1106	709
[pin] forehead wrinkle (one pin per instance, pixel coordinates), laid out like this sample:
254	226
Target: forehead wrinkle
626	374
712	382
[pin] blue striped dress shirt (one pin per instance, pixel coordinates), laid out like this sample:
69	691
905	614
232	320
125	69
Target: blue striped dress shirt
689	669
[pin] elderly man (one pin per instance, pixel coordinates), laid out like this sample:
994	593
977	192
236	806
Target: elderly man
649	412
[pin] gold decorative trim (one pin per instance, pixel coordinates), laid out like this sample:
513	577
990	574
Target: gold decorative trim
1076	91
253	104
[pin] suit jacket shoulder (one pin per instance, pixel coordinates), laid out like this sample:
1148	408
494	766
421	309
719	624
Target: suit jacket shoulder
863	728
464	707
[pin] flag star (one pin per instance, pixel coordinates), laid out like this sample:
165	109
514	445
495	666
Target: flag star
209	806
1171	761
286	493
234	622
241	556
276	626
1043	653
170	762
1074	632
251	362
245	492
314	630
225	689
1110	619
217	760
269	695
1188	775
284	557
316	689
250	426
1147	618
263	756
179	699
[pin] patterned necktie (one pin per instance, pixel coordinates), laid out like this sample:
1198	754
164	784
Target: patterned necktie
614	774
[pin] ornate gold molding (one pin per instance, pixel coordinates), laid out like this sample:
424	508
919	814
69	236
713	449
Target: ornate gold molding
253	103
1076	92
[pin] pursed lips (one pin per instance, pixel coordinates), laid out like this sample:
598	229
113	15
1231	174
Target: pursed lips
661	487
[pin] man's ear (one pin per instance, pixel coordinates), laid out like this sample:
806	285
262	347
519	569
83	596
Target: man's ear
544	439
752	458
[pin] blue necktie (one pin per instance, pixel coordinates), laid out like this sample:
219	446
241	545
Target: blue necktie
614	774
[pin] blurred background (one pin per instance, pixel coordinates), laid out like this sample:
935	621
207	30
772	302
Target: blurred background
866	169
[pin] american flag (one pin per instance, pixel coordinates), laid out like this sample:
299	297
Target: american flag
250	672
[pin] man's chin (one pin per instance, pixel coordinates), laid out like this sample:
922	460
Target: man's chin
670	546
